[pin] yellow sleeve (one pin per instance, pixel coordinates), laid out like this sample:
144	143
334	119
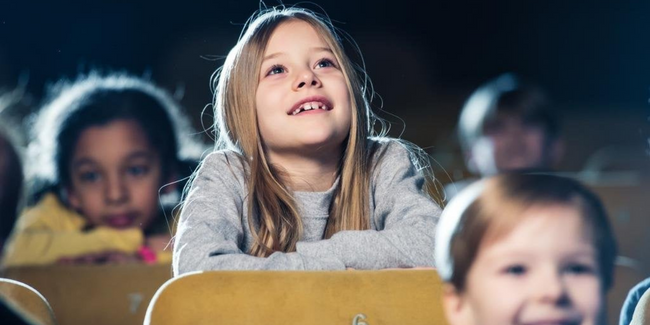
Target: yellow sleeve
164	257
49	231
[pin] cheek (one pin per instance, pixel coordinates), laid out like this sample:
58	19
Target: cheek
587	295
145	192
265	105
493	299
90	205
86	198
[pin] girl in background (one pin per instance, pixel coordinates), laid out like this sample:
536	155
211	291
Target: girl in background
525	249
103	150
299	182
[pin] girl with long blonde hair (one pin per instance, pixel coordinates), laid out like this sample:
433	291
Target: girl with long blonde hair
298	179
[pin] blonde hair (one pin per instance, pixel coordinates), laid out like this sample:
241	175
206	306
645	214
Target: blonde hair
492	207
279	226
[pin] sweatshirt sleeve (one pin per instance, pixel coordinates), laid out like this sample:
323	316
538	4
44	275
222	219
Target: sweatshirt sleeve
210	234
404	215
50	232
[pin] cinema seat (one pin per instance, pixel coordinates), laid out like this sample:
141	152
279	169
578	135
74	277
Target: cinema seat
95	294
25	303
296	297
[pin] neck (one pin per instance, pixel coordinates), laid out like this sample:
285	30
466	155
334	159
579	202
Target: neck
307	173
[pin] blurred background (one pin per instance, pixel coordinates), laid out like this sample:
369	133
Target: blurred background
424	58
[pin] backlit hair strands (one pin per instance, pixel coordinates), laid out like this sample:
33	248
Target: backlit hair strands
279	226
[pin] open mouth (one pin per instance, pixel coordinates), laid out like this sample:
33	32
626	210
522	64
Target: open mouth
311	104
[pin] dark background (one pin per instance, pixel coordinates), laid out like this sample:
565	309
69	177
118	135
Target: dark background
424	57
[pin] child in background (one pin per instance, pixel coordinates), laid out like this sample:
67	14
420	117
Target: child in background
103	150
525	249
297	182
507	125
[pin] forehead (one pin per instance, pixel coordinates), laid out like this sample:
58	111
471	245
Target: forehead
111	141
541	229
294	33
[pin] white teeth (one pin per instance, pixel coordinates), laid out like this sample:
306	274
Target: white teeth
309	106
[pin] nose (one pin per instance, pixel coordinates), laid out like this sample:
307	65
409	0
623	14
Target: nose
116	191
306	79
552	289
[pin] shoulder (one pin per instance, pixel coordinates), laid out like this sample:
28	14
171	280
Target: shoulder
393	154
632	300
640	288
223	158
220	167
642	311
50	213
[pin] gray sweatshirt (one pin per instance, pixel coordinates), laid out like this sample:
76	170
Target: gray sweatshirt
213	231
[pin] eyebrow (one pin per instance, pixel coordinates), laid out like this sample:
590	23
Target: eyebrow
135	155
313	49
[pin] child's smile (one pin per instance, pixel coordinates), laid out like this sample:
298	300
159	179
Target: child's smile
316	104
302	100
544	271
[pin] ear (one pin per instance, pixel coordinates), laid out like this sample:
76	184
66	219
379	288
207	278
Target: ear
456	306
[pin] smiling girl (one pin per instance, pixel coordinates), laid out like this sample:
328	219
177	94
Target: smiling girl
297	182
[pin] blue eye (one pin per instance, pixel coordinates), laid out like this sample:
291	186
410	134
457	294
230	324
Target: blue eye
276	69
324	63
138	170
515	270
89	177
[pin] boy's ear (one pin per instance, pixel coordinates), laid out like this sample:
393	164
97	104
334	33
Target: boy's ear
456	306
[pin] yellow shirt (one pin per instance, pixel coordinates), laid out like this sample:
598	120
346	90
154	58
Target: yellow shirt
50	231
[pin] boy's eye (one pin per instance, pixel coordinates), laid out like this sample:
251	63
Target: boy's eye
515	270
579	268
89	177
276	69
324	63
137	170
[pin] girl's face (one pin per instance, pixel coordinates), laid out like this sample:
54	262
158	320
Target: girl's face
115	176
544	271
302	100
